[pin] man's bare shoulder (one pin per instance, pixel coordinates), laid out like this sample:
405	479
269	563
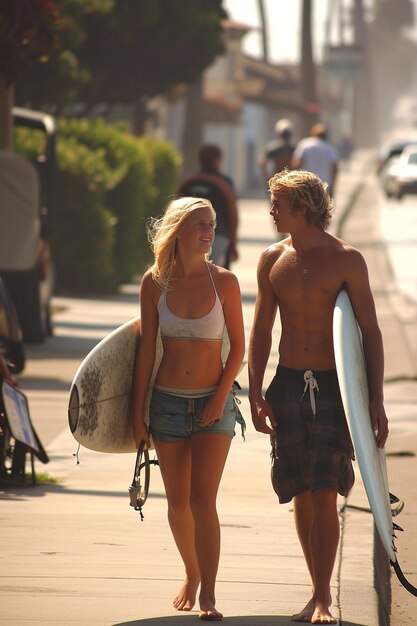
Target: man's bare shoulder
350	253
274	251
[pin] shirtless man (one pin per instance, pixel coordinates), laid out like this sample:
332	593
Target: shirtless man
302	411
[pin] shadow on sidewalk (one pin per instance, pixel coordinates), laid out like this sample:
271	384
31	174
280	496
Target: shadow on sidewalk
249	620
24	491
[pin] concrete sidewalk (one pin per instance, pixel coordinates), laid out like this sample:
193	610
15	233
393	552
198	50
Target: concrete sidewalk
77	553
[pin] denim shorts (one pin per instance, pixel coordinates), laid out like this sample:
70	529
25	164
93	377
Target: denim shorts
175	418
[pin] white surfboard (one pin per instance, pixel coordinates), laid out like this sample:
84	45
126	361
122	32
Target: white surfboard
351	372
99	411
100	404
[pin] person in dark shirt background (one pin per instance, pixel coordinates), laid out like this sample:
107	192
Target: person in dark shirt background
278	152
212	184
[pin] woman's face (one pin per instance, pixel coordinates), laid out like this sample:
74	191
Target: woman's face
197	232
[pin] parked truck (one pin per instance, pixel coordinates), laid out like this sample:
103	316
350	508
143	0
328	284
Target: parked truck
26	199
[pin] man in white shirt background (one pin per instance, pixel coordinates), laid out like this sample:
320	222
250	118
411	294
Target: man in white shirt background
316	154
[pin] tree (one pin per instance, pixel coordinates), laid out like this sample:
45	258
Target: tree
142	49
125	52
53	85
29	30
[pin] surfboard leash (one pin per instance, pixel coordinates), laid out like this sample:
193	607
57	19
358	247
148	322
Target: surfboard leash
138	492
403	580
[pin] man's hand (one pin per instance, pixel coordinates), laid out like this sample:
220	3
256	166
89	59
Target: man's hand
263	417
379	423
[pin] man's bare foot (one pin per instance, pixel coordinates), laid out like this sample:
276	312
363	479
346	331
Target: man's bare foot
322	615
185	599
305	615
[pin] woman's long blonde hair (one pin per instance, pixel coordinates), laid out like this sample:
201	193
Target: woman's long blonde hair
163	233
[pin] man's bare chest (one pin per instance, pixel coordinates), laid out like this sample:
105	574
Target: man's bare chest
302	277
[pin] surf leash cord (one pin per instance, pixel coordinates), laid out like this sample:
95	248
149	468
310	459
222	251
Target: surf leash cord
405	583
138	492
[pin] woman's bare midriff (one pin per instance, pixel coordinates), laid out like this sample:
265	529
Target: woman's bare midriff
190	364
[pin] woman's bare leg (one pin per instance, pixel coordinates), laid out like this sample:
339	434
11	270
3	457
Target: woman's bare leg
209	453
175	464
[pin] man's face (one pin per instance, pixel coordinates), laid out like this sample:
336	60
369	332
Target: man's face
281	212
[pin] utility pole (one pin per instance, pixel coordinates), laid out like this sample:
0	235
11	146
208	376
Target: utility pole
264	31
308	69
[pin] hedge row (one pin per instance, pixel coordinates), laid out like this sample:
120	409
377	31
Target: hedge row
107	185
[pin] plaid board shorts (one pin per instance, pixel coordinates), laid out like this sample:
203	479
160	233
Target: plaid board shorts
312	448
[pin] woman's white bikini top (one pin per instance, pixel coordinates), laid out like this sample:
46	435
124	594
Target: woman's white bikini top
210	327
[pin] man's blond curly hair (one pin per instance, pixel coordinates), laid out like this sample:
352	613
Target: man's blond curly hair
305	192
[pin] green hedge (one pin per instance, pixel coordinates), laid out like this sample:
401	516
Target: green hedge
107	184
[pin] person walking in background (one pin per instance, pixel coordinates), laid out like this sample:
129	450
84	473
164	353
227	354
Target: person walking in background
278	152
302	409
192	411
212	184
316	154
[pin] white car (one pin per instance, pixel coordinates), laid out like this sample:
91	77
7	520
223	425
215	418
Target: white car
400	176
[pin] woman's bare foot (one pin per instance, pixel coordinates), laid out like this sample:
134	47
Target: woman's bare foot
185	599
305	615
322	615
208	611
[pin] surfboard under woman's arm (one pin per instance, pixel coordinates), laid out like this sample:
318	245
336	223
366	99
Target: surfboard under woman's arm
145	357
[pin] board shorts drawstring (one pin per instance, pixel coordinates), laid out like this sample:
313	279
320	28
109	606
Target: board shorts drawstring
310	384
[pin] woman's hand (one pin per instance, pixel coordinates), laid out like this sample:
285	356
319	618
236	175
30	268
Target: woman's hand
141	433
212	412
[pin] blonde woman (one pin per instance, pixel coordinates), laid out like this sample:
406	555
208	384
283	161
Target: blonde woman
192	412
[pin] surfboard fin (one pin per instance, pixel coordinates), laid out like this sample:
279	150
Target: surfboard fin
396	527
396	510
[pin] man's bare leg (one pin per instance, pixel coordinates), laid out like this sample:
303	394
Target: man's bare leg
303	517
311	513
324	541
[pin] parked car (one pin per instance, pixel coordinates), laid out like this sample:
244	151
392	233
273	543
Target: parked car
386	174
390	152
26	196
401	176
